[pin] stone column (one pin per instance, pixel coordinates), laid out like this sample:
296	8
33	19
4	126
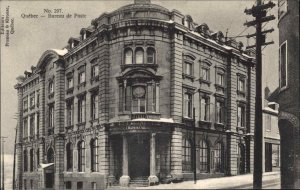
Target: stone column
153	179
111	177
125	179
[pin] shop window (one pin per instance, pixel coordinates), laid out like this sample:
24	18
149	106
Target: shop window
81	156
186	155
219	157
69	156
204	156
94	155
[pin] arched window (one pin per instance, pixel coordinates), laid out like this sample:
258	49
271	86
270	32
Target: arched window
139	56
31	160
50	155
128	56
204	155
150	56
81	156
219	157
94	155
25	164
69	155
186	155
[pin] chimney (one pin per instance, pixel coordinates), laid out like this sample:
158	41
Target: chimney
142	1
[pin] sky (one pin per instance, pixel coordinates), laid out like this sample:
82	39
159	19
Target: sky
32	37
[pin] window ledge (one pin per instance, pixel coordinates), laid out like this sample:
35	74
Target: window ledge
242	93
150	65
201	80
81	85
51	95
70	90
188	76
220	86
94	79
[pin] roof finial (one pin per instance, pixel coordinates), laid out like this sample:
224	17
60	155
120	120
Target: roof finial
142	1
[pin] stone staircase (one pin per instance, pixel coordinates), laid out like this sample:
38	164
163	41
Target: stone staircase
139	182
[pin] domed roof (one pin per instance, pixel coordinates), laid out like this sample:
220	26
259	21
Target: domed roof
142	6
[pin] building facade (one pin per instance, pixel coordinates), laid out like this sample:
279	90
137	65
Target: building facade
271	143
287	95
115	106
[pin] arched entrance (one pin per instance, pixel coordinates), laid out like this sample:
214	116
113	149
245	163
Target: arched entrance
139	156
49	172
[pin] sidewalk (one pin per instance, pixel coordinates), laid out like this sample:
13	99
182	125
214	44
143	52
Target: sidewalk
271	180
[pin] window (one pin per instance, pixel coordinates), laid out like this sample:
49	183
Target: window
241	116
187	105
69	152
51	116
80	185
218	157
241	84
220	112
31	184
68	184
31	159
94	155
25	104
128	56
267	122
81	110
37	157
205	73
25	163
94	107
283	65
139	56
204	109
95	71
220	79
150	56
81	156
94	186
70	82
139	99
38	100
50	155
282	8
186	155
32	100
37	124
25	128
70	112
188	68
51	87
32	127
204	156
81	77
275	155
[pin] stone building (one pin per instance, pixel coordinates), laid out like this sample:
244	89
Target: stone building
115	106
287	94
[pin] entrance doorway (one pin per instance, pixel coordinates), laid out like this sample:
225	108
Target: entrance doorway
241	159
139	155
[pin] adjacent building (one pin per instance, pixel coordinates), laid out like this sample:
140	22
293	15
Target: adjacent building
115	106
287	95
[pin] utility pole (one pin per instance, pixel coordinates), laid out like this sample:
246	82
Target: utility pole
14	168
259	12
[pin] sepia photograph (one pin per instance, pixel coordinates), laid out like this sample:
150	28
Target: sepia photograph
149	94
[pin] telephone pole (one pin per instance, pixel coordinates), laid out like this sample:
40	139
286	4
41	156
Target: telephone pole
260	14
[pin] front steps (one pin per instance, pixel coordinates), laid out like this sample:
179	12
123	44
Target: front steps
139	182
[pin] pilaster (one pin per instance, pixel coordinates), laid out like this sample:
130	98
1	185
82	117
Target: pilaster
125	179
176	76
176	155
